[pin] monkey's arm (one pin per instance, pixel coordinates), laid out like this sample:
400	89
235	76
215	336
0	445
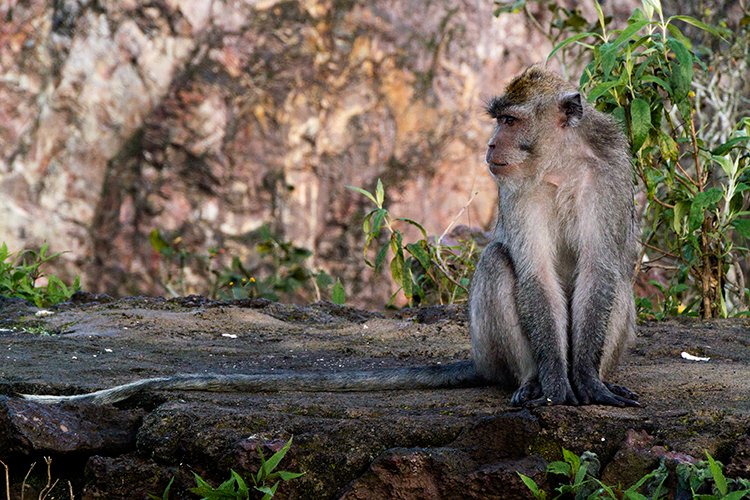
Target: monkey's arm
599	327
542	311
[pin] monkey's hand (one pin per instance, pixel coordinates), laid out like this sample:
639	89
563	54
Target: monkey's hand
531	394
592	391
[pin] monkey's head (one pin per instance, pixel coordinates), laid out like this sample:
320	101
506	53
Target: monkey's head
534	116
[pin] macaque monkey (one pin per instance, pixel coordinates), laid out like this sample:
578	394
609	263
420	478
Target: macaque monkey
551	304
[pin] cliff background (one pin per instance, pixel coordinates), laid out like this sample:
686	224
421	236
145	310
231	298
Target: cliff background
206	119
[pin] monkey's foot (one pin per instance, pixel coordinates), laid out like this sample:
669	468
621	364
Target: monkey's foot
592	391
622	391
528	391
531	395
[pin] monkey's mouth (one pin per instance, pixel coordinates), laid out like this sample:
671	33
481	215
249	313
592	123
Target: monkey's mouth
497	168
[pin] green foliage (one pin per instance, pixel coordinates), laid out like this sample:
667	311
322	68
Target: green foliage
278	270
19	274
705	480
579	479
266	481
659	83
165	493
426	271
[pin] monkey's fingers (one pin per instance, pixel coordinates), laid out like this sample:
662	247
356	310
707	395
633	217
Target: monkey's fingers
599	394
528	391
622	391
551	400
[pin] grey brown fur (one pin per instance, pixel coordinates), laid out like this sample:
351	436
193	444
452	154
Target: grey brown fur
551	306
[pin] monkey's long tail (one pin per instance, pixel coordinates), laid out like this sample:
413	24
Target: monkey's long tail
453	375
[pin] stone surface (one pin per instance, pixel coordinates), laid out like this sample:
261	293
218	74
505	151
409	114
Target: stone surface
466	443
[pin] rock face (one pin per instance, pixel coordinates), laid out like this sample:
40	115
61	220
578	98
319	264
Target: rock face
206	119
461	443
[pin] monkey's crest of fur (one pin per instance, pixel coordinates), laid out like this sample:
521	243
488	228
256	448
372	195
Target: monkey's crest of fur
535	83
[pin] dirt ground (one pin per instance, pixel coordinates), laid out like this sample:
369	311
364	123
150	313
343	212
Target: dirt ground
400	444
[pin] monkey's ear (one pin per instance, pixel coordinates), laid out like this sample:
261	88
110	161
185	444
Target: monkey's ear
571	108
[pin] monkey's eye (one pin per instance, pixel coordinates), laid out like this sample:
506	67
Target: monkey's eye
506	119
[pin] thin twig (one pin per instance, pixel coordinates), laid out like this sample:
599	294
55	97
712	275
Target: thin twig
657	249
25	478
7	481
47	487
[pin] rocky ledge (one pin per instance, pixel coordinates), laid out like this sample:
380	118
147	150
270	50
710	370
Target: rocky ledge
466	443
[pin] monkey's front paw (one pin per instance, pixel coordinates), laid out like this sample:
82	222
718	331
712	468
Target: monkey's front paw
562	395
623	391
528	391
592	391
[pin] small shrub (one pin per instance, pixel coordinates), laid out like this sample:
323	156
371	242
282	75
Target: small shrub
580	479
278	270
426	271
265	481
20	272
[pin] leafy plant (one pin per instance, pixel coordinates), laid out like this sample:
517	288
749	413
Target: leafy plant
265	481
20	273
705	480
696	216
426	270
580	480
278	270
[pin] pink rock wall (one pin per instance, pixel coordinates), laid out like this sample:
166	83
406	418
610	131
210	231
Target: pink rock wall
208	118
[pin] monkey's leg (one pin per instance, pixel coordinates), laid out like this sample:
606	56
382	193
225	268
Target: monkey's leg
503	351
603	318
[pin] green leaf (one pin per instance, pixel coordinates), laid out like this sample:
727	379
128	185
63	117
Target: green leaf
380	257
736	495
157	241
510	8
408	283
658	81
415	224
288	476
338	294
608	57
242	489
640	122
419	252
560	468
531	485
377	221
718	475
568	41
727	164
681	76
600	15
681	209
742	226
601	89
729	145
668	147
633	495
273	462
366	193
630	31
702	201
379	193
581	474
699	24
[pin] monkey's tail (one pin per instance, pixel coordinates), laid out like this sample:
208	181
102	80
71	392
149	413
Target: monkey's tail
453	375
